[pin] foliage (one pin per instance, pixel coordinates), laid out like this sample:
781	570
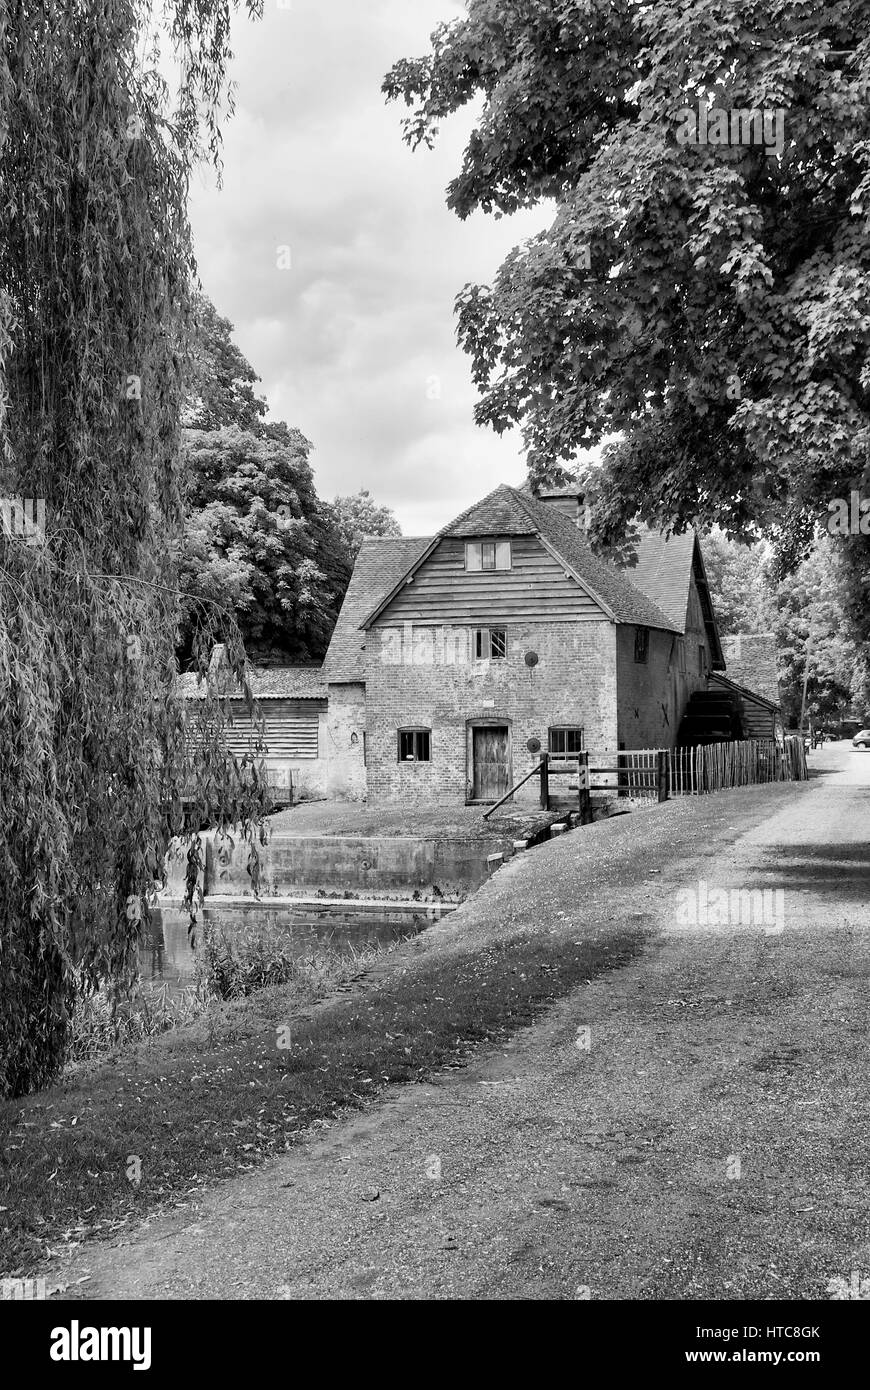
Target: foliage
235	959
95	267
749	597
812	627
257	536
220	385
104	1020
710	303
358	516
740	583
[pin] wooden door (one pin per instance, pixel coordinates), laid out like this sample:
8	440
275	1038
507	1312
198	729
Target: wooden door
491	771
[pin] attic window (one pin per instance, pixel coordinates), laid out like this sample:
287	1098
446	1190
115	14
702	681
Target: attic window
487	555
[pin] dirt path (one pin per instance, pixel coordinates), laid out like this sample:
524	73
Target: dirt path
712	1141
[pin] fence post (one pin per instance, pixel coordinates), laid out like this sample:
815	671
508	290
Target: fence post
583	788
662	774
545	781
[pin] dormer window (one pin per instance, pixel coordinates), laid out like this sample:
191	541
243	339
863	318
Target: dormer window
487	555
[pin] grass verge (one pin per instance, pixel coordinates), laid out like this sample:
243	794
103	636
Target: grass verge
248	1079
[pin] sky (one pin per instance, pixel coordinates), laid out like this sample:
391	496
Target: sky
355	342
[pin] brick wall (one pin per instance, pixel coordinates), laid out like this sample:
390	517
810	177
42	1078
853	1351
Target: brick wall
426	679
653	696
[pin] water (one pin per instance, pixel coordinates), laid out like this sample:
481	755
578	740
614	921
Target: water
167	955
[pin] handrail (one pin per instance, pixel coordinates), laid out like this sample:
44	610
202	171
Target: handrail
535	772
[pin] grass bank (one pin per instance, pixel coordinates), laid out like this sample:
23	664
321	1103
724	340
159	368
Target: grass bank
249	1078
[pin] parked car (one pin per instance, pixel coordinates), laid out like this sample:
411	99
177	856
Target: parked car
862	739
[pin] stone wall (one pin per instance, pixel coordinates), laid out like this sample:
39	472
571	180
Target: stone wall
387	867
344	738
653	695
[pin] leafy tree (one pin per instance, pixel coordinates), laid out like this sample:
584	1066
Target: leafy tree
743	595
805	612
257	532
257	536
220	388
358	516
813	628
95	267
709	303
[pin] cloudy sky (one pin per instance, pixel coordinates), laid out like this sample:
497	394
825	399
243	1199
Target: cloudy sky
355	343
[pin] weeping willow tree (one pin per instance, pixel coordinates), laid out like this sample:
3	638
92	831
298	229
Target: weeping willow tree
96	279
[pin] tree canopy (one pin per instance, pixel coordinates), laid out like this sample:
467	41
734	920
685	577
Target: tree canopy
358	516
706	302
805	611
257	536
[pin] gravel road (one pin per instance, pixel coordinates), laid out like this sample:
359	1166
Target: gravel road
692	1125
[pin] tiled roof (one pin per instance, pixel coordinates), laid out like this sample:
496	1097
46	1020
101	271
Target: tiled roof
627	601
268	683
380	564
510	511
750	661
664	571
500	513
729	684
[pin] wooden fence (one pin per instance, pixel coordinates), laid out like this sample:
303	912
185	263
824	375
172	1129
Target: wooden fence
633	772
640	773
713	767
658	773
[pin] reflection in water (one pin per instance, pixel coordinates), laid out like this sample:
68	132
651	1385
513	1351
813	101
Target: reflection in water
168	954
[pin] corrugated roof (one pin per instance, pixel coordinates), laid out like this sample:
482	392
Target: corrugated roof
268	683
750	660
380	565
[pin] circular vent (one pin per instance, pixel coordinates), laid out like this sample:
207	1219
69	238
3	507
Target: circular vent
531	658
534	745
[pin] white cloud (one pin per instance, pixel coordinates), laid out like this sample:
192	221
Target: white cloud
347	340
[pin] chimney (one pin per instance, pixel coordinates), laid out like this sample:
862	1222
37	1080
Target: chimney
569	500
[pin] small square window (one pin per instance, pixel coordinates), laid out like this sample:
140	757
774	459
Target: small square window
414	745
641	644
566	743
490	643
